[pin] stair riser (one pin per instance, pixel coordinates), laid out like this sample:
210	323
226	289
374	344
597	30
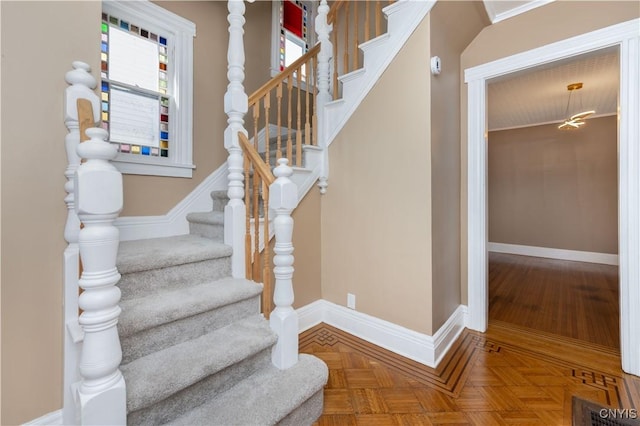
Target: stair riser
170	408
220	200
306	412
215	232
160	337
140	283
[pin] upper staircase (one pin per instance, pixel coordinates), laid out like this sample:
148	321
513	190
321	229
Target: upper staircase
197	340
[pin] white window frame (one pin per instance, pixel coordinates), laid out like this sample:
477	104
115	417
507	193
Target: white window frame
181	31
275	33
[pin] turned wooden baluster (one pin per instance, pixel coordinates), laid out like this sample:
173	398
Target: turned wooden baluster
323	30
298	161
279	120
283	199
235	106
289	118
98	196
267	136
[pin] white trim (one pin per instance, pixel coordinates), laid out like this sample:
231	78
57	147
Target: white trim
625	35
53	418
425	349
497	17
554	253
175	221
181	32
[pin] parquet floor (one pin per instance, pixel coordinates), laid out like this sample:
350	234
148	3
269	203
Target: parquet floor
507	376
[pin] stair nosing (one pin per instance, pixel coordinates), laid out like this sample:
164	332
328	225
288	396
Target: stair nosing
182	304
179	356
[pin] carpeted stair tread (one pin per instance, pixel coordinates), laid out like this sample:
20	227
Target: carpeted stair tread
155	253
162	307
208	218
161	374
263	398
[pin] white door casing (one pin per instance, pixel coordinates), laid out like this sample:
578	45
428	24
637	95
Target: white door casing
627	37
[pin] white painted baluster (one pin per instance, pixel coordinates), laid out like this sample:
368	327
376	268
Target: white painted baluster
235	106
82	83
98	197
323	30
283	198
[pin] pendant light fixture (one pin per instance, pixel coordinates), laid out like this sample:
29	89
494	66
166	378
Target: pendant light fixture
576	120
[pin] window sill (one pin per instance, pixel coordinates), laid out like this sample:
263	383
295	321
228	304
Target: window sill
153	166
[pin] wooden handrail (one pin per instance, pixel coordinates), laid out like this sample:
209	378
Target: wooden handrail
287	72
258	164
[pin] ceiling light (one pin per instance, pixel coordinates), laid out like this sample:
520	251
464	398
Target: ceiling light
576	120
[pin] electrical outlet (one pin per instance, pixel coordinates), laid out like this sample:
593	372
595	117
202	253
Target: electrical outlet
351	301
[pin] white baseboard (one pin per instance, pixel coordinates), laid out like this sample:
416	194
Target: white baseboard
425	349
553	253
53	418
174	222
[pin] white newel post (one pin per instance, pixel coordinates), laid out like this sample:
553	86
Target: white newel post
98	198
323	30
81	85
235	106
283	198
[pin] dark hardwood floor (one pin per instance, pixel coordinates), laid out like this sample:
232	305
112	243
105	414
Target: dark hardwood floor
572	299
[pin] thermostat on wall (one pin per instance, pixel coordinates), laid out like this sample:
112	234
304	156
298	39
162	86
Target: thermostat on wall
436	66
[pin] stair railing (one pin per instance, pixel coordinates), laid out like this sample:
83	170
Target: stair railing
353	22
94	386
257	179
283	111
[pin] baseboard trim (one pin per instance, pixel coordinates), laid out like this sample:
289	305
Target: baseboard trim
53	418
425	349
553	253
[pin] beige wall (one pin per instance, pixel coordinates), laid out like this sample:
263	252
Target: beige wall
153	195
542	26
376	214
34	61
553	188
306	243
453	26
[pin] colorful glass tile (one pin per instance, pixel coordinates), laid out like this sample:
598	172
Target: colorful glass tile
164	135
164	117
164	144
105	106
124	25
153	36
135	149
104	47
164	102
163	41
125	148
163	66
155	151
164	127
103	56
134	29
162	58
105	17
113	20
105	96
105	116
164	153
105	27
145	150
164	110
144	33
105	86
163	84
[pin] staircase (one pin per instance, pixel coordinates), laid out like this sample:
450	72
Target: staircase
196	350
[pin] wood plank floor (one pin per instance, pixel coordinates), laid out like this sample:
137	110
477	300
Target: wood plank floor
572	299
509	375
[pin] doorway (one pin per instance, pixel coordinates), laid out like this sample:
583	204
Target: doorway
625	36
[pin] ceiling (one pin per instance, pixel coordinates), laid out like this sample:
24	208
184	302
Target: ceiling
539	95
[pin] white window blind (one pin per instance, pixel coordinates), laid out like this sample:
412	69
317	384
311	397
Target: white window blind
133	60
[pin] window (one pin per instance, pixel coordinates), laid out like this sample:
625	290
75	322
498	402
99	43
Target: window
146	87
292	32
